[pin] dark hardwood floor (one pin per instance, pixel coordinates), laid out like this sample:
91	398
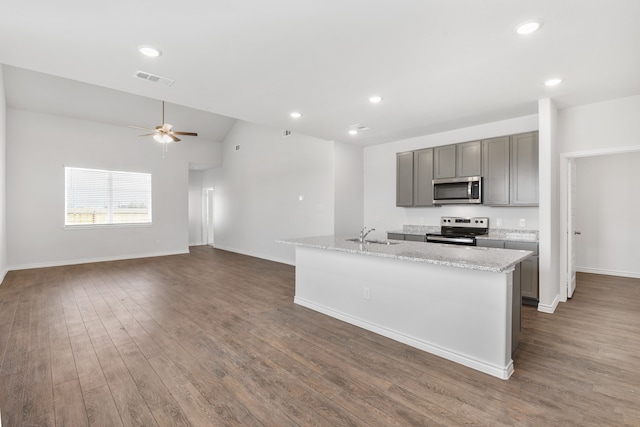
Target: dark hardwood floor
213	338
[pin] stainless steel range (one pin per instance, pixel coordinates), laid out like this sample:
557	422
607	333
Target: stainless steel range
460	231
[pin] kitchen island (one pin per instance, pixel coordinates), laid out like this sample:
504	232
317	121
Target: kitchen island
453	301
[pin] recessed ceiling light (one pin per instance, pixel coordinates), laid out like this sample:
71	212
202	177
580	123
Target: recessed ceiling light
553	82
528	27
149	51
295	115
375	99
353	132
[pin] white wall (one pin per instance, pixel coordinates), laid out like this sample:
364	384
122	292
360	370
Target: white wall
600	126
550	238
380	209
272	188
349	188
607	214
195	207
39	146
3	180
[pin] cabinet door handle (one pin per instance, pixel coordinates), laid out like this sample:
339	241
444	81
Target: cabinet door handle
577	233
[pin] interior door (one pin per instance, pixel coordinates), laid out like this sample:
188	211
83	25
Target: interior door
571	228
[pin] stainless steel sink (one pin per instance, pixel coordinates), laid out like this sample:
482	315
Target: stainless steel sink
374	242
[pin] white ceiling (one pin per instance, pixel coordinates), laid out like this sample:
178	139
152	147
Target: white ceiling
439	64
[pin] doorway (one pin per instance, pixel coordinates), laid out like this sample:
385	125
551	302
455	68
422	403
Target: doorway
569	211
208	216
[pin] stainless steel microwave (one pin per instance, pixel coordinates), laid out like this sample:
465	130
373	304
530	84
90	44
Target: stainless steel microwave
457	190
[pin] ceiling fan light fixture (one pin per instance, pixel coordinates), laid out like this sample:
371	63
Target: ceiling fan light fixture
149	51
162	138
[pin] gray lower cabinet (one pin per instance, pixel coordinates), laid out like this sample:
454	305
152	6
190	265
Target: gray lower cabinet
404	179
408	237
416	237
527	271
414	175
510	170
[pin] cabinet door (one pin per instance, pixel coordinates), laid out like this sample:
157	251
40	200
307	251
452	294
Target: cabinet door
404	179
495	171
529	277
469	159
444	162
485	243
416	237
423	177
524	169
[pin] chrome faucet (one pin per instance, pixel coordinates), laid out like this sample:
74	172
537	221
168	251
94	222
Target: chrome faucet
363	235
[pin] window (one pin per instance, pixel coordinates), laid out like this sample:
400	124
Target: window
99	197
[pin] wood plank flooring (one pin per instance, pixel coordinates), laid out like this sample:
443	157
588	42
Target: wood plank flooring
213	338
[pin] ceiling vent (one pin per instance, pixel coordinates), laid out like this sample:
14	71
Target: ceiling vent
154	78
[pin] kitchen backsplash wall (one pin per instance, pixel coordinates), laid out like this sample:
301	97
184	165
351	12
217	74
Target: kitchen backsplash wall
507	217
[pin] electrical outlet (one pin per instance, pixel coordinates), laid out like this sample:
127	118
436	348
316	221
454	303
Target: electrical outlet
498	222
366	294
523	222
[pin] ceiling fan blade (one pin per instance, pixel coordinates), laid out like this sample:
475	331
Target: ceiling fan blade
138	127
184	133
149	134
175	138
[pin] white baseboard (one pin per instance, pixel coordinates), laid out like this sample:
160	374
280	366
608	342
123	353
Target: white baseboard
549	308
90	260
255	254
608	272
3	273
496	371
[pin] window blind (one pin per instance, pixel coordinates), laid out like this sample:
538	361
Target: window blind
101	197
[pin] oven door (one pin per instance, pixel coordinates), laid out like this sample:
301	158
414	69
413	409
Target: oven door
457	190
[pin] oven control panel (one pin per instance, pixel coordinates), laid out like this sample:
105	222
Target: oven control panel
472	222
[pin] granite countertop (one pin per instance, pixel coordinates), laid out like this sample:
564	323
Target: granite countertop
512	235
469	257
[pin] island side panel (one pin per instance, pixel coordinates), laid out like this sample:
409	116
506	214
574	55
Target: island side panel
459	314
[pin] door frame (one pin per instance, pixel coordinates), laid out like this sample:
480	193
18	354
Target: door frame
565	191
208	216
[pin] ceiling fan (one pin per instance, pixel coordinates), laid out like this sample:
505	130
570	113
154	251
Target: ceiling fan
164	133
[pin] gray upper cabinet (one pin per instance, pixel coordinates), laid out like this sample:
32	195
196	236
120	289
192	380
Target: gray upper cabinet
422	177
508	166
510	170
444	162
496	156
524	169
414	173
468	159
404	179
457	160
